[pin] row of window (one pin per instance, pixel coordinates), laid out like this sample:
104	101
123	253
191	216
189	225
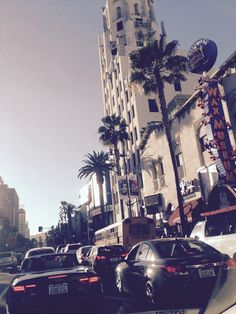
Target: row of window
119	11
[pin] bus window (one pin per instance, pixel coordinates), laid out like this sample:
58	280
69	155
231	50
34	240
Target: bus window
137	229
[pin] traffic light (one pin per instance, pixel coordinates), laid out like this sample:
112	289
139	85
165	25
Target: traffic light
40	228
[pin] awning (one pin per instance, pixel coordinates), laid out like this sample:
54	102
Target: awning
189	207
219	211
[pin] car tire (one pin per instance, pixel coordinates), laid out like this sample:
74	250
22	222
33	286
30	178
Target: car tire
150	293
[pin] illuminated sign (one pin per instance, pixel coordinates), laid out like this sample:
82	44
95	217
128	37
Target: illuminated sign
221	142
202	56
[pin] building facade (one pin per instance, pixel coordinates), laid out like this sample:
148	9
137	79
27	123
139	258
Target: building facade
23	227
128	25
198	168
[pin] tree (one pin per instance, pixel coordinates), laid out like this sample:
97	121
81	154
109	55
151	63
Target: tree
151	67
111	133
68	210
97	163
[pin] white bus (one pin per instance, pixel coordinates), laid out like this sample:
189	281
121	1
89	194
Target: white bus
128	232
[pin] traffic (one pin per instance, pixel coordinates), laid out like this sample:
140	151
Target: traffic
161	275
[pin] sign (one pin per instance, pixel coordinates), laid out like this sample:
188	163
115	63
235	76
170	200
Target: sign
152	202
128	187
220	142
202	56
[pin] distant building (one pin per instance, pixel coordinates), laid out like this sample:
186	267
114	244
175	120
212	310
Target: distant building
9	204
23	224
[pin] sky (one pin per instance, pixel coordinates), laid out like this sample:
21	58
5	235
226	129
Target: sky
50	90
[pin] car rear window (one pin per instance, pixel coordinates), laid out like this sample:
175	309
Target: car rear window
111	250
38	252
49	262
85	249
178	249
2	255
74	246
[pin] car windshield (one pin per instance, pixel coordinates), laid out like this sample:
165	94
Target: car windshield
178	249
49	262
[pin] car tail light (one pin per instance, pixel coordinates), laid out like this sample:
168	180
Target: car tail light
89	279
57	276
230	264
22	288
174	270
100	257
124	254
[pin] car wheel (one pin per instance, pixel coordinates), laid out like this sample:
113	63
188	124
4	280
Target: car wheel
119	283
150	293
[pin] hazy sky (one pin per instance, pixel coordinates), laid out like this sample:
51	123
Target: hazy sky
50	90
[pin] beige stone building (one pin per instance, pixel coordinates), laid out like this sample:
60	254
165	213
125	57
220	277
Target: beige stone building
128	24
197	171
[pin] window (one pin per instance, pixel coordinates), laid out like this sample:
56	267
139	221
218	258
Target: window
129	117
202	141
132	138
118	12
133	112
127	96
152	105
180	165
150	255
143	252
177	86
122	104
136	10
136	133
134	160
133	253
119	26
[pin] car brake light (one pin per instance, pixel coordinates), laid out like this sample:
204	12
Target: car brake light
89	279
174	270
57	276
23	288
100	257
18	289
124	254
230	264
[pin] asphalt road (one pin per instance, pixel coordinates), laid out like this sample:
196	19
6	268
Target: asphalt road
114	304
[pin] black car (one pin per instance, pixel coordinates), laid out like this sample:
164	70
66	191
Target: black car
158	269
52	281
104	259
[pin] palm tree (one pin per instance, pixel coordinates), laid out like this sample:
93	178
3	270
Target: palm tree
111	133
98	164
68	210
151	67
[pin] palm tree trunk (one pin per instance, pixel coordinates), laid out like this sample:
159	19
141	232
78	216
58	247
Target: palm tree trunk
101	198
166	123
117	157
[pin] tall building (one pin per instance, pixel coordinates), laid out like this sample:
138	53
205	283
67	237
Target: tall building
127	26
23	227
9	204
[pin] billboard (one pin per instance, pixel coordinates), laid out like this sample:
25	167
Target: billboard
202	55
127	187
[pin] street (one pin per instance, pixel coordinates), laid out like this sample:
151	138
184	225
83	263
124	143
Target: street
115	304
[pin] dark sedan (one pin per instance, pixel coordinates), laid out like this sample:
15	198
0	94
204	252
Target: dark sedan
160	269
52	281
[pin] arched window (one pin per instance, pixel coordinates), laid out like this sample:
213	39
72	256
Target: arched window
118	12
136	10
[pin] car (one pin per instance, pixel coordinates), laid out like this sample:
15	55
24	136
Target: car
156	269
52	281
60	247
8	261
72	247
103	259
217	234
82	252
39	250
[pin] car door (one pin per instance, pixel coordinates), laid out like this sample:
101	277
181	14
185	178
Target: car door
137	269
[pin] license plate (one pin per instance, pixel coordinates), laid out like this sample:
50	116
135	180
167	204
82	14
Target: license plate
60	288
205	273
114	259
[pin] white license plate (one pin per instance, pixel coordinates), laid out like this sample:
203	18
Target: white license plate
114	259
205	273
59	288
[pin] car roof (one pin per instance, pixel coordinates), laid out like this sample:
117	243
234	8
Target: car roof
41	248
